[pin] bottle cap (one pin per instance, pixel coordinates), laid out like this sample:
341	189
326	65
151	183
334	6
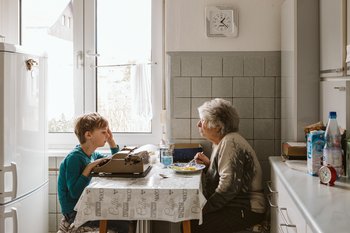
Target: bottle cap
332	114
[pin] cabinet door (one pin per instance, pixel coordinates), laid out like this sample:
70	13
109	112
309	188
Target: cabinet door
332	42
334	97
290	218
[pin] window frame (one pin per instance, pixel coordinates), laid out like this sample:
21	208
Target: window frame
84	25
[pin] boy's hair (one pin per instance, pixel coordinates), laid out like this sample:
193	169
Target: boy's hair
88	122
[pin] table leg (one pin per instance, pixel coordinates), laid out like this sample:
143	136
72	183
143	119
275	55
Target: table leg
103	226
186	226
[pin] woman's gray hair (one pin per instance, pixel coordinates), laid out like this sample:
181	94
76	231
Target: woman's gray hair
220	113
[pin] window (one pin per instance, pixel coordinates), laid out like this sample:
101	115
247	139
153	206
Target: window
103	55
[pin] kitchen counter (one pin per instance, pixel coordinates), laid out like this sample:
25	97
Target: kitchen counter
325	208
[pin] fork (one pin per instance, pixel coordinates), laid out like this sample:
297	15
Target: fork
190	162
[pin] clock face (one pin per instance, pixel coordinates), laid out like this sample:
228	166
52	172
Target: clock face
222	21
327	175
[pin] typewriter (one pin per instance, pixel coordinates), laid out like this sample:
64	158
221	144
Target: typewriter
127	161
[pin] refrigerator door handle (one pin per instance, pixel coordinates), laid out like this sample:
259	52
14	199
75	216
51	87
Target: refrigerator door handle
12	168
13	214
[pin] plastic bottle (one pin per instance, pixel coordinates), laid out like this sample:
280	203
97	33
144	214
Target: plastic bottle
332	151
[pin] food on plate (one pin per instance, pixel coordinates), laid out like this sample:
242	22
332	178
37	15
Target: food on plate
187	168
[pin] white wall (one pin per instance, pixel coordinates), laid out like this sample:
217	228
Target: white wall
259	26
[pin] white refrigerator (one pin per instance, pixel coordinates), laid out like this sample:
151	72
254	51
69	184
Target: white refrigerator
23	158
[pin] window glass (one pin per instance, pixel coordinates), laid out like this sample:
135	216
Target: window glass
124	64
48	28
103	55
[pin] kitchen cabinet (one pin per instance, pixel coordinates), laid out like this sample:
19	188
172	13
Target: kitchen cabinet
10	21
299	67
335	96
285	216
333	33
311	206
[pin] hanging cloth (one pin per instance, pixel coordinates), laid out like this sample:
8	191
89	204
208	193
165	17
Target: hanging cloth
141	89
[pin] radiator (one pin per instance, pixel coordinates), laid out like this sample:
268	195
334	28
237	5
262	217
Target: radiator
143	226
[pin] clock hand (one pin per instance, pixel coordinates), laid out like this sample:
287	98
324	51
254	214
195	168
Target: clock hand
222	22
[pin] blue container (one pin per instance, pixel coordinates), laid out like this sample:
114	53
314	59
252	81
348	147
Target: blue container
185	152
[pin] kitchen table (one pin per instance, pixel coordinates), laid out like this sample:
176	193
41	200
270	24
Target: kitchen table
176	198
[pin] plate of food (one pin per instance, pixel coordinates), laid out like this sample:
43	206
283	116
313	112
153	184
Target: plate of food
186	168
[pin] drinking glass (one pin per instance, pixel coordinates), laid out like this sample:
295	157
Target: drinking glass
167	158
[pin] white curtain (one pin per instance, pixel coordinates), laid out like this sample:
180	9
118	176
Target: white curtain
141	88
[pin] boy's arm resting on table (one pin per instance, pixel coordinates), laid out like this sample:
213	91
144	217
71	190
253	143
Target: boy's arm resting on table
76	181
92	165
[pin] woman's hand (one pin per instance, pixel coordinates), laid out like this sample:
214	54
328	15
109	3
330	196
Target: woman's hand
202	158
92	165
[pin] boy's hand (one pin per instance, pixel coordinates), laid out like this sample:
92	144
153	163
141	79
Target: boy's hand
110	139
92	165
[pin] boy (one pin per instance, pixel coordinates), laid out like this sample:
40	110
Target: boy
92	131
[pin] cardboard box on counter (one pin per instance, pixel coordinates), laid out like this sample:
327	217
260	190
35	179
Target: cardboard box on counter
185	152
294	150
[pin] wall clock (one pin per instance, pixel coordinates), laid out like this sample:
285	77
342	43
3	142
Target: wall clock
221	21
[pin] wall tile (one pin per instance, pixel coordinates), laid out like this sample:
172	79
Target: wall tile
181	128
191	66
181	87
277	128
244	106
264	107
201	87
278	145
264	87
278	86
278	108
58	205
253	66
242	87
272	66
52	203
264	149
211	66
196	102
222	87
53	223
175	66
58	161
182	108
246	128
194	129
233	66
52	162
52	182
264	129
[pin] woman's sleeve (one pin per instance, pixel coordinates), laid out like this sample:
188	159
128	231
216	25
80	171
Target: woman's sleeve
230	170
76	182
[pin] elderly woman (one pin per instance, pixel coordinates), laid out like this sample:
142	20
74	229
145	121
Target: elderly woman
233	176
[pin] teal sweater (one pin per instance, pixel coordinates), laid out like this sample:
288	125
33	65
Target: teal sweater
71	182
